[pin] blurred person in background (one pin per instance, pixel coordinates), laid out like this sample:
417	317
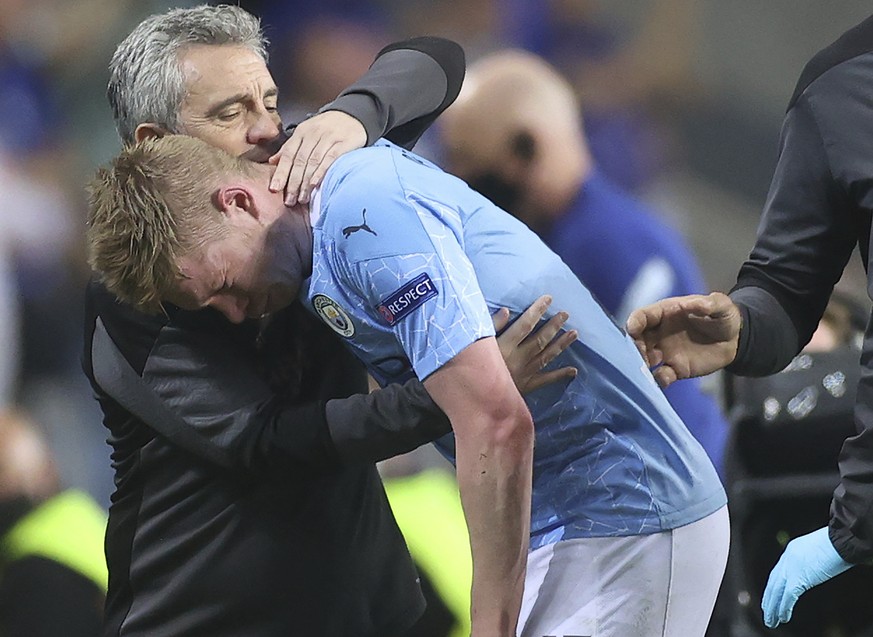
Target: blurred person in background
52	569
39	305
40	245
817	211
631	70
631	65
26	112
46	47
516	135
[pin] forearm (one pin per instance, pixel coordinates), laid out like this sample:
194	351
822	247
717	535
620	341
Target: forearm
768	339
408	85
278	438
231	417
385	423
494	479
807	233
494	460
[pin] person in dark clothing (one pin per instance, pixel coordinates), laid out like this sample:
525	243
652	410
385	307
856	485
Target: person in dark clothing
246	499
52	569
818	209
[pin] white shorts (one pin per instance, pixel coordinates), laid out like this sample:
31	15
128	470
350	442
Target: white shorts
661	585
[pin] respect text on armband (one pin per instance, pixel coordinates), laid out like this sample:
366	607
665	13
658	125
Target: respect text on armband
404	300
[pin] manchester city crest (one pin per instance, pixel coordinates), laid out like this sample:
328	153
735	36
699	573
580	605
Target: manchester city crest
332	314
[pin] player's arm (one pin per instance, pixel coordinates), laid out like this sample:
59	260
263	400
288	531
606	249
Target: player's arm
398	418
408	85
494	455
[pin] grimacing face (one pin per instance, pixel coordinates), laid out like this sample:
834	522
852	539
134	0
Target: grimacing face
256	268
231	276
231	101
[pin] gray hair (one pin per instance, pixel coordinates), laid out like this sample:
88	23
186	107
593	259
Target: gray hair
145	79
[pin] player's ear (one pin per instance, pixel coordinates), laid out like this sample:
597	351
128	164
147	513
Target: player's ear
148	130
234	200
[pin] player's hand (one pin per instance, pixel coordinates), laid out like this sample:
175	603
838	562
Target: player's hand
686	336
807	561
527	352
313	146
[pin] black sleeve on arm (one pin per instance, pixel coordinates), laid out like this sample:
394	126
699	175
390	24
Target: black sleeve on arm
229	415
806	236
768	339
385	423
212	385
406	88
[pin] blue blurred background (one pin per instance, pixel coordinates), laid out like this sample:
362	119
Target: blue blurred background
683	100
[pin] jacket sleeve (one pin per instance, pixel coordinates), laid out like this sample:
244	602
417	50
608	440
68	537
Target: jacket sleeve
203	387
804	241
406	88
213	385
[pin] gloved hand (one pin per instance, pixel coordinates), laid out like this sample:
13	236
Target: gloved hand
807	561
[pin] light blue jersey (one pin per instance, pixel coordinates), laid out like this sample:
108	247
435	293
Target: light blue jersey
409	263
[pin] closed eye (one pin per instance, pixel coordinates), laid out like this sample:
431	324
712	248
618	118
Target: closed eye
229	116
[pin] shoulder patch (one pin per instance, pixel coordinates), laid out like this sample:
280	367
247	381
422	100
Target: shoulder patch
403	301
332	314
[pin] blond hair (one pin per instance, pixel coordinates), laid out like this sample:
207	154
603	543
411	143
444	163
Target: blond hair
150	206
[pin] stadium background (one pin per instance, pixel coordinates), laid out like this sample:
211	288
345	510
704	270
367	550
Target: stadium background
683	101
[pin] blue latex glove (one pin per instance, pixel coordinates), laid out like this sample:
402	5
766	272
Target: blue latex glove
807	561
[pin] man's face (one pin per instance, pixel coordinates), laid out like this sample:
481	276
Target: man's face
250	272
231	101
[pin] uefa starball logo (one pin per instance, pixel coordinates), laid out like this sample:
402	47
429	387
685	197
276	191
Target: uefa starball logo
404	300
332	314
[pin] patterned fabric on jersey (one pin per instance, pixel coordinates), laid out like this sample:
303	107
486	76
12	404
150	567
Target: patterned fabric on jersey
408	265
596	229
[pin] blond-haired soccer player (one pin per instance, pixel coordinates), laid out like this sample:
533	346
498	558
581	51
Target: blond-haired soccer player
628	524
